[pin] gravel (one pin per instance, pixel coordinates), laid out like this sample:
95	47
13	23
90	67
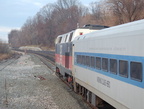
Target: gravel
26	83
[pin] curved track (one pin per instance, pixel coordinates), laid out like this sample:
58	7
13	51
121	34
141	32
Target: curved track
48	58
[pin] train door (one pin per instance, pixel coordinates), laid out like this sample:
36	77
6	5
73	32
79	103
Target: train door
61	54
67	59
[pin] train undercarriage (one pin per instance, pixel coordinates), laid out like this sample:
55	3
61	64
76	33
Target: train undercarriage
94	101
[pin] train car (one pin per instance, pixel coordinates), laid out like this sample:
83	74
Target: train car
63	53
108	66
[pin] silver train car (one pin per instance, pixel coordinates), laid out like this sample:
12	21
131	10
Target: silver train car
107	66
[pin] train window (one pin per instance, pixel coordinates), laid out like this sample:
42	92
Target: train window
70	38
136	71
83	60
113	66
66	38
98	62
93	62
123	68
78	59
87	60
105	64
60	40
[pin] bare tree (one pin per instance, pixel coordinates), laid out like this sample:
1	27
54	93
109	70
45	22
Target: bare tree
127	10
14	38
96	10
63	16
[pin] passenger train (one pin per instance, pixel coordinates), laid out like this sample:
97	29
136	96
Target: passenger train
106	66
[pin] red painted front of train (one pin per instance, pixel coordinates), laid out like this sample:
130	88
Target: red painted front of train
63	58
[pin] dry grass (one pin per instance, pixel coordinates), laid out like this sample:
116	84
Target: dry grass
45	48
4	56
4	51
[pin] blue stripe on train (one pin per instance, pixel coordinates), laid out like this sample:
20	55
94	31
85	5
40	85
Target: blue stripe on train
115	76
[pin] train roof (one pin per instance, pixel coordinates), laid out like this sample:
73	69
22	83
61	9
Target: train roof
117	30
97	27
70	36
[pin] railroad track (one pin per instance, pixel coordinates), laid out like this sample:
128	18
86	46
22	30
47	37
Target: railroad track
45	57
13	59
5	64
50	55
50	64
48	58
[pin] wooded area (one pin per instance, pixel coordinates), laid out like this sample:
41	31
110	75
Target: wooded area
65	15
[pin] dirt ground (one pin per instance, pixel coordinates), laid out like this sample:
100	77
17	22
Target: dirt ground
26	83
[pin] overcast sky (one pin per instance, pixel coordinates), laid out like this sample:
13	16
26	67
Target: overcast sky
14	13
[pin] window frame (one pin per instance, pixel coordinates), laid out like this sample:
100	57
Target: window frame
83	59
87	61
115	69
93	62
103	67
125	66
98	65
70	37
60	39
132	75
